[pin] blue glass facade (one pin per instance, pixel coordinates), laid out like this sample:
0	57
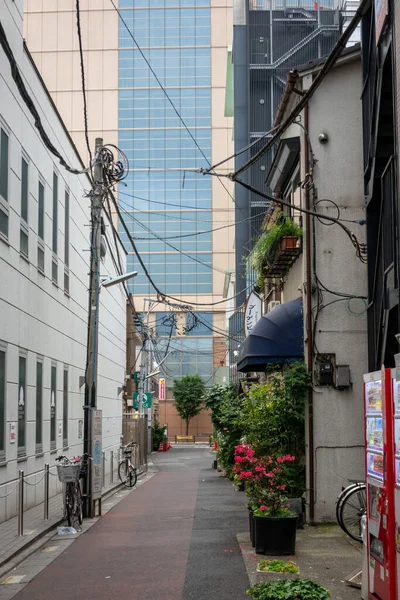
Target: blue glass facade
187	356
174	35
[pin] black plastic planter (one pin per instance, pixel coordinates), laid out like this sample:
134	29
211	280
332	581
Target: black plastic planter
251	527
275	536
241	486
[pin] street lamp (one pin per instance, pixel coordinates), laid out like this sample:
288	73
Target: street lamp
114	280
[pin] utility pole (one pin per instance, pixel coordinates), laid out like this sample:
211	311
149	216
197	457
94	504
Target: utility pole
96	205
142	377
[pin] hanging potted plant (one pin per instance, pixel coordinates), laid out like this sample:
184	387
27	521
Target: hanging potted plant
283	235
274	525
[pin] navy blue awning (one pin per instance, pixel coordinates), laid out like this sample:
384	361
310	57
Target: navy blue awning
276	338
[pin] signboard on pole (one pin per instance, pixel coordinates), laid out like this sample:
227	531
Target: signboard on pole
146	400
97	453
252	313
161	389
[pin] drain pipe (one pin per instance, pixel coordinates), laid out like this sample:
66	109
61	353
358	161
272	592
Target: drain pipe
309	329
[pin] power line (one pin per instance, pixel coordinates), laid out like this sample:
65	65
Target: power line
360	248
239	152
16	75
168	214
160	294
172	104
329	63
208	265
184	235
85	117
180	206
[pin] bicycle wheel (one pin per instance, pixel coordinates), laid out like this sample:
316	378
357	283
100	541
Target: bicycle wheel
78	508
132	477
354	506
69	504
123	471
340	499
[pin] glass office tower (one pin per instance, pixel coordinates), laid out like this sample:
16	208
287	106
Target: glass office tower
165	201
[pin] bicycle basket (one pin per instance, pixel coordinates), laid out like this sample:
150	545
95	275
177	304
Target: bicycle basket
68	473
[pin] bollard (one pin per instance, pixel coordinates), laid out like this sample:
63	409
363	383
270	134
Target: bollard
21	504
112	466
104	469
46	491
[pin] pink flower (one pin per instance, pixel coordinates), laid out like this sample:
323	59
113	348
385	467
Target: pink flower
263	508
279	459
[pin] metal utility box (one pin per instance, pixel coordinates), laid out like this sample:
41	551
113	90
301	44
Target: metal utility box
325	373
342	377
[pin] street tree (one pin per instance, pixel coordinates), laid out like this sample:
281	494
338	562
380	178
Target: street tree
189	397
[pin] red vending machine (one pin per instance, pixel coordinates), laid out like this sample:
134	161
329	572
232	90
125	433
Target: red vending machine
379	460
396	434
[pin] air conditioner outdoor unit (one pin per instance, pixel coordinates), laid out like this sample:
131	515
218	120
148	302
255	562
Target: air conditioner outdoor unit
273	304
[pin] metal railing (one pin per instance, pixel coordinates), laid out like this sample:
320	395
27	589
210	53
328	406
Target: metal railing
22	481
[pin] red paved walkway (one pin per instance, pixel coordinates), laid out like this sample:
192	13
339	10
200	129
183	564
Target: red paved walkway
139	550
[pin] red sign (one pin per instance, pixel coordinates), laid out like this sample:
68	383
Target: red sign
161	389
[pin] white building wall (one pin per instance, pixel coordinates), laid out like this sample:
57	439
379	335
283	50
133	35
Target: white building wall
335	110
36	316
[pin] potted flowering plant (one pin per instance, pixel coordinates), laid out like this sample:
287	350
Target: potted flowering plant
245	462
274	525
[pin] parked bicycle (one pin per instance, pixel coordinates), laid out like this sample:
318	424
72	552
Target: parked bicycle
351	506
126	470
70	472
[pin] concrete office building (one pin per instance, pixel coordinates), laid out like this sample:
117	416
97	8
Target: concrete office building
187	44
44	265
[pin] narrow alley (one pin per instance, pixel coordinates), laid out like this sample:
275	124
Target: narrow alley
175	535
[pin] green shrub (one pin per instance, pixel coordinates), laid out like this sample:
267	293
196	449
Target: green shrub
278	566
158	435
289	589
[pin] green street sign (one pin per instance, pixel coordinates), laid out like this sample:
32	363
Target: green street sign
146	400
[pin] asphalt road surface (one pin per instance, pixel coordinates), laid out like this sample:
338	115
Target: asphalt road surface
174	538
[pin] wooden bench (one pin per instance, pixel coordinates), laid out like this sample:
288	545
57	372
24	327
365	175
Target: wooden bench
184	438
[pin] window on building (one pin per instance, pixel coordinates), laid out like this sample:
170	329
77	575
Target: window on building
53	401
24	190
3	183
54	270
66	229
65	409
41	210
165	323
55	213
199	323
39	406
66	243
22	406
24	231
2	401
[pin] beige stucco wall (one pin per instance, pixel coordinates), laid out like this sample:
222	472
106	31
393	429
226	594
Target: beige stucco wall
335	109
51	35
